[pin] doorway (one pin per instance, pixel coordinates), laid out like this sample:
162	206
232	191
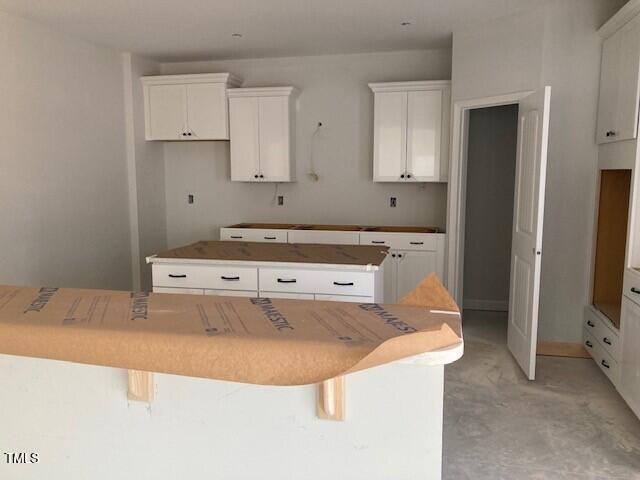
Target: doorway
533	109
491	160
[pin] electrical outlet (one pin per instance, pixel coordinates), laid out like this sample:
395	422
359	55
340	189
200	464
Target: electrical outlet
280	200
190	199
392	202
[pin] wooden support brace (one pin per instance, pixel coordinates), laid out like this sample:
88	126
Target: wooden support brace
141	386
330	404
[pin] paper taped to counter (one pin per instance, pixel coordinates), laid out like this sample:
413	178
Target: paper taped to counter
250	340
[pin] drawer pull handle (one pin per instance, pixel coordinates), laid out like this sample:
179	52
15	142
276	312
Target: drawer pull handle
378	241
635	290
605	364
590	323
230	279
269	238
588	344
416	243
236	236
606	340
171	275
283	280
343	284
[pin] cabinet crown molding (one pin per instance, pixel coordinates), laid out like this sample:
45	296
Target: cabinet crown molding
229	78
628	12
263	92
409	86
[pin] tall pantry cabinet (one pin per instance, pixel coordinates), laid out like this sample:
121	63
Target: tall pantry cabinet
612	320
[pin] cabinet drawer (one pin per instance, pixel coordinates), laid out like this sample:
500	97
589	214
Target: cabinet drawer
344	298
253	235
605	361
324	236
205	276
631	285
317	281
401	241
188	291
602	333
232	293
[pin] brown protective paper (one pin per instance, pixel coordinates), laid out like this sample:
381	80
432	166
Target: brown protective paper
260	340
280	252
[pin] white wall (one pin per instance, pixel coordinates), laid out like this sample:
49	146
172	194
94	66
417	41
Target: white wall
556	44
491	161
146	174
63	180
334	91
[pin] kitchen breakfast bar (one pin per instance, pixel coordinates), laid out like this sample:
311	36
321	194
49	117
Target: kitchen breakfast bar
271	385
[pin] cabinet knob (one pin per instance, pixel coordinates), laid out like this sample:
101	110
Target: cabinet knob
402	176
261	176
399	255
605	364
184	134
393	255
408	175
255	176
189	133
588	344
606	340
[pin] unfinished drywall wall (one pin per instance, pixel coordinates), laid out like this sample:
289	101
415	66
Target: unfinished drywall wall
491	161
334	91
146	174
555	44
63	186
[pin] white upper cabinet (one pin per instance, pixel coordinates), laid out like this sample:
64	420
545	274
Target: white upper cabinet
411	131
619	85
187	107
262	134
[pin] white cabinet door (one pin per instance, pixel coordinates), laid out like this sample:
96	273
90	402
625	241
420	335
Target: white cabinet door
424	135
273	118
390	136
166	112
207	111
390	294
629	384
619	85
244	148
412	268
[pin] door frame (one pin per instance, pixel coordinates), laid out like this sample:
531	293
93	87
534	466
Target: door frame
457	192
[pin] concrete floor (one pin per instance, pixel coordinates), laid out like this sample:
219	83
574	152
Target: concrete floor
568	424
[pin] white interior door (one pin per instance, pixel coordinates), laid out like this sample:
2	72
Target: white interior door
528	213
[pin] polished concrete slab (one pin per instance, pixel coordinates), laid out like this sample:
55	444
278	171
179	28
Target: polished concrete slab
568	424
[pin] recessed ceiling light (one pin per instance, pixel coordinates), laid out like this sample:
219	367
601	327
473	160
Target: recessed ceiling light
236	35
405	24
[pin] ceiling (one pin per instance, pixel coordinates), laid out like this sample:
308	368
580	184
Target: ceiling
171	30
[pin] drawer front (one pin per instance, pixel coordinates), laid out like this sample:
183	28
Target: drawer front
605	362
403	241
325	237
232	293
188	291
608	339
631	286
344	298
317	281
205	276
253	235
294	296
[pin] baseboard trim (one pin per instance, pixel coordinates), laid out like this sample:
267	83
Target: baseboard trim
486	305
562	349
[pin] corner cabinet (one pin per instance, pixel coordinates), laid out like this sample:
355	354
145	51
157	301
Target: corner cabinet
619	85
187	107
411	131
262	122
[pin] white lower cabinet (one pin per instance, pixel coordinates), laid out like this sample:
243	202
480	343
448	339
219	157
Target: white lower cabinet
629	380
184	291
333	283
404	270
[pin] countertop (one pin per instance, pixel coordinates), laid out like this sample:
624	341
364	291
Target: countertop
338	228
361	257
